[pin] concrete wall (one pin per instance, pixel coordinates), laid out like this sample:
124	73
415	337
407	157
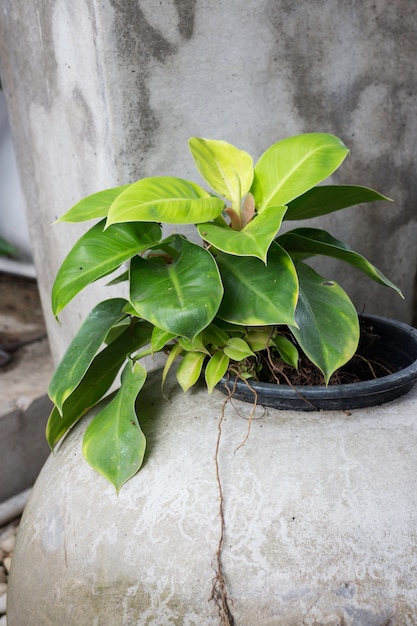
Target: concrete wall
12	209
102	92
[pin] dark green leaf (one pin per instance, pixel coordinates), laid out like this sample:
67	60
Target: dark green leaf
6	249
113	443
257	294
329	198
314	241
181	297
328	327
83	348
98	253
97	380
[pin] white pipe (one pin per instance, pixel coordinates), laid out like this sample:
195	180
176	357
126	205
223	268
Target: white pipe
12	508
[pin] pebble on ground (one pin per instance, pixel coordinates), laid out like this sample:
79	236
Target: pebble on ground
7	541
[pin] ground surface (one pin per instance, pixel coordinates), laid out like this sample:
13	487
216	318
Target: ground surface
25	364
25	368
7	541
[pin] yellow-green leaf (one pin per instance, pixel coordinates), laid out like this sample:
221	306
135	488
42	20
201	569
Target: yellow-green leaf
237	349
216	368
293	166
253	240
189	369
93	206
287	350
164	199
228	170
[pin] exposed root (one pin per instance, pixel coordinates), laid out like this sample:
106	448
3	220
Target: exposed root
252	413
280	368
219	590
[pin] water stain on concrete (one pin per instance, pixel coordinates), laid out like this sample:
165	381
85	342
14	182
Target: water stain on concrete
141	46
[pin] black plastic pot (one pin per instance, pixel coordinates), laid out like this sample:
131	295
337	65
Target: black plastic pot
394	343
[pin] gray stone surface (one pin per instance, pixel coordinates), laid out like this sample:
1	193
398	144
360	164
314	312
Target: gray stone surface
23	447
320	518
149	75
24	405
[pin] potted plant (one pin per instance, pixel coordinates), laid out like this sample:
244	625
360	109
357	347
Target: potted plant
245	293
237	307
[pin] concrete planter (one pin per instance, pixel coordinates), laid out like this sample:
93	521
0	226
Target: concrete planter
320	518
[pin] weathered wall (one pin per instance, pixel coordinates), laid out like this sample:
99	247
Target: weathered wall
101	92
12	212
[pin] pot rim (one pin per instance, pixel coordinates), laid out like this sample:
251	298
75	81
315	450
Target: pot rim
399	382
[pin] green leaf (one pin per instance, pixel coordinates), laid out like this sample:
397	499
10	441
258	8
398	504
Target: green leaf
314	241
216	368
193	345
118	328
237	349
287	350
215	336
181	297
98	253
97	380
6	249
172	357
189	369
165	199
113	443
294	165
94	206
228	170
258	339
255	294
83	348
122	278
329	198
328	326
253	240
160	338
